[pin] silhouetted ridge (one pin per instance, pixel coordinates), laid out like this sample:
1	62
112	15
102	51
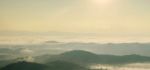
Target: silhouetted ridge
24	66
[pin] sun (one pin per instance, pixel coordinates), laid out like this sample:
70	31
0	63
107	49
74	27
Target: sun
102	2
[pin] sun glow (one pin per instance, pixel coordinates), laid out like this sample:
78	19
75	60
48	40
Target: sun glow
103	2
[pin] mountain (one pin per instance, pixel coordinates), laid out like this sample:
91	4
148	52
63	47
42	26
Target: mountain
79	54
24	66
86	58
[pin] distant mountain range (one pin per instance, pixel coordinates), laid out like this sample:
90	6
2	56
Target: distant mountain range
87	58
55	47
110	48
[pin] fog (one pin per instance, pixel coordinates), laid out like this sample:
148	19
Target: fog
134	66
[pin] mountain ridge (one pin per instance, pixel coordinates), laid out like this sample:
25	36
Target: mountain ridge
85	57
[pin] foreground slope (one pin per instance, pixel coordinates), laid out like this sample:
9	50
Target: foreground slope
24	66
56	65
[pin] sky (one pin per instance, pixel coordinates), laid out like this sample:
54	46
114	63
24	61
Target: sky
89	20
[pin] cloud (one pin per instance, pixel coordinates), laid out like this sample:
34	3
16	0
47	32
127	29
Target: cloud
26	51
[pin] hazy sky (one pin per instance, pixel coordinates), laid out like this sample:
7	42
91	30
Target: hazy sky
101	18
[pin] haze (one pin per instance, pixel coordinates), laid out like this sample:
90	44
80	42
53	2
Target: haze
77	20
